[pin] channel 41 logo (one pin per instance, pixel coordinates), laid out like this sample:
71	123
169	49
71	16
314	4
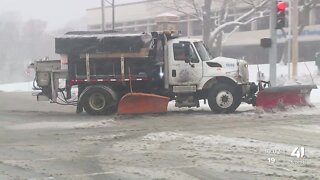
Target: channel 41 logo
300	156
299	152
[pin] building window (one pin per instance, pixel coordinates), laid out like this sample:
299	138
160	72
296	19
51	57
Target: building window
94	27
304	18
229	28
153	28
197	28
129	30
129	23
142	22
317	15
245	28
118	24
183	27
109	26
141	28
263	23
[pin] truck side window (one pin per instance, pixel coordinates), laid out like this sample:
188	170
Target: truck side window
179	53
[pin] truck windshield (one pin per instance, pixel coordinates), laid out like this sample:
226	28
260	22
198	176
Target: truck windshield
203	51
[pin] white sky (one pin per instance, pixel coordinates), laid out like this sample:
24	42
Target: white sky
56	12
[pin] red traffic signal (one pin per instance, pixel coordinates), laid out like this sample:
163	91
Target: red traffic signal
281	6
281	15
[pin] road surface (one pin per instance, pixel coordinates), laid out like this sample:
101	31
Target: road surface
40	140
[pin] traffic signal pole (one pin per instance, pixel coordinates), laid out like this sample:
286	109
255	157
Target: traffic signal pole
273	53
289	39
295	45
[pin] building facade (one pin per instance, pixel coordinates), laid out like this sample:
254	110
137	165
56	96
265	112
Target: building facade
244	43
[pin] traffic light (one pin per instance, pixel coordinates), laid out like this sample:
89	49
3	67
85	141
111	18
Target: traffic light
281	14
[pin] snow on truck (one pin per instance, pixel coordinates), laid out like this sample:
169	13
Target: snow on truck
141	73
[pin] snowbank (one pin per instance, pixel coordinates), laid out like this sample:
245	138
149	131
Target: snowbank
307	73
63	125
17	87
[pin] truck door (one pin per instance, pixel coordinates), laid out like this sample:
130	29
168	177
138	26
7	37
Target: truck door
182	72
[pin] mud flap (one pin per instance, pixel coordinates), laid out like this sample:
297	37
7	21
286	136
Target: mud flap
296	95
141	103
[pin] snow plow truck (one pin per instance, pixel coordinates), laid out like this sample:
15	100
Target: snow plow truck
141	73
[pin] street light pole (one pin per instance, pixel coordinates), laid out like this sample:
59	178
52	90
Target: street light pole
102	16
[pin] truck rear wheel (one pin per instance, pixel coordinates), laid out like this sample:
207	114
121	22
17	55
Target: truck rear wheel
97	101
224	98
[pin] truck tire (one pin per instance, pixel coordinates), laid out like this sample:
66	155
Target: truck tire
98	101
224	98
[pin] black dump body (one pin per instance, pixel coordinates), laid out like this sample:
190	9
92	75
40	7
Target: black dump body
93	42
142	55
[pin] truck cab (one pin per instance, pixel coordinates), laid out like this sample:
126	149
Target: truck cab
194	74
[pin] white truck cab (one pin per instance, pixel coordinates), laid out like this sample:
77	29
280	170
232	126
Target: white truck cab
224	82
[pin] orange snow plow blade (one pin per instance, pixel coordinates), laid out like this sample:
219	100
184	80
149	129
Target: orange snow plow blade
140	103
296	95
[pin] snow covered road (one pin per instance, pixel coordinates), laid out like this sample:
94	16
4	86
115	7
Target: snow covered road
46	141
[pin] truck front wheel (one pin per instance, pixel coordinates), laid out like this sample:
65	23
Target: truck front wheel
224	98
98	102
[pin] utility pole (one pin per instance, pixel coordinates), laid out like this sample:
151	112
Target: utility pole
273	54
112	15
295	45
102	16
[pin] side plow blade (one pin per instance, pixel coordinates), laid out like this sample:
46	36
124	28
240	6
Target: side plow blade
140	103
296	95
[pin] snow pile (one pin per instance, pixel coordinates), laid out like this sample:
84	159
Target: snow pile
63	125
307	73
17	87
103	137
162	136
315	95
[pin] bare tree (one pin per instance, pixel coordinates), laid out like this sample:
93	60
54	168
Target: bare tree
215	20
214	26
257	9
